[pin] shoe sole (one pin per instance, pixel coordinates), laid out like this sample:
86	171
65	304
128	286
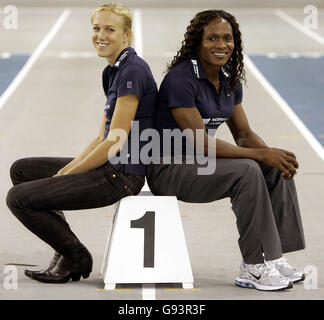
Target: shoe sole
30	275
73	277
245	283
298	279
44	280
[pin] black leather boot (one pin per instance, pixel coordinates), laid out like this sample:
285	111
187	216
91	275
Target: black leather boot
56	232
53	263
55	259
78	264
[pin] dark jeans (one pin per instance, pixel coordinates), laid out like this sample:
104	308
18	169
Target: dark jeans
265	204
37	196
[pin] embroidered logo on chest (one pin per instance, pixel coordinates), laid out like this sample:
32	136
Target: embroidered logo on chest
214	121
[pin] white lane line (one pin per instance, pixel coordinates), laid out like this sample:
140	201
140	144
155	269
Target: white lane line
285	17
138	34
77	54
285	108
294	55
33	58
5	55
148	291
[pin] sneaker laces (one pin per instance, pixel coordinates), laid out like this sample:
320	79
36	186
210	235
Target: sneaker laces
284	262
281	262
268	269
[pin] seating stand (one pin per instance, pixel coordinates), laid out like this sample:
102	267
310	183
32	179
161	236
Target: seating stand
146	243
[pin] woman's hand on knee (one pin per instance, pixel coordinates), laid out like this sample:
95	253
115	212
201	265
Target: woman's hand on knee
282	159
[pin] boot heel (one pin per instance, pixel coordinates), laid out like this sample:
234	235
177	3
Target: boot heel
76	277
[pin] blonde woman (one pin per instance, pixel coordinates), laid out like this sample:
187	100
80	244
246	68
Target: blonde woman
43	187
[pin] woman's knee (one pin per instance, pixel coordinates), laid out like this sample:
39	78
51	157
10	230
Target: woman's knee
16	198
250	169
11	198
16	170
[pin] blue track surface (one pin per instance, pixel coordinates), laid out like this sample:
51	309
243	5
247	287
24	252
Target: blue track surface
300	82
9	68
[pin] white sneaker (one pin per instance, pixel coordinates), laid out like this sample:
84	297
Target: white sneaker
263	276
287	270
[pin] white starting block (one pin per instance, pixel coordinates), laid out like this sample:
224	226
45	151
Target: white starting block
146	243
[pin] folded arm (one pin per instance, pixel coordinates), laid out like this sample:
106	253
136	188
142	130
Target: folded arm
249	144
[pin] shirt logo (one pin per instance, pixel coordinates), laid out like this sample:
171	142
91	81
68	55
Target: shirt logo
129	84
226	74
123	56
195	67
214	121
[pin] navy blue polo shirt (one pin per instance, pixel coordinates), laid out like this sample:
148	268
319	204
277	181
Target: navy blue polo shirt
130	75
187	86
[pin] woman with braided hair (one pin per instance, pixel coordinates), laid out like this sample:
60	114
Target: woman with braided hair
202	90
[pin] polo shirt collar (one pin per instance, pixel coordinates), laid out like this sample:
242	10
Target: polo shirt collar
123	57
199	71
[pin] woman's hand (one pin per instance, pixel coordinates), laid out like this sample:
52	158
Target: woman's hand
284	160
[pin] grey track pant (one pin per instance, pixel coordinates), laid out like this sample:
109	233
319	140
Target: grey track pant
265	204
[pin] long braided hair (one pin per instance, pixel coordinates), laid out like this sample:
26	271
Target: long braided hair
193	37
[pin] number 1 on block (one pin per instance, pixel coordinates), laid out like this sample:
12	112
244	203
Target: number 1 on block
147	222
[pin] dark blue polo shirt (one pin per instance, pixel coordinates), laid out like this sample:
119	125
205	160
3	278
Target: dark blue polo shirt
186	85
130	75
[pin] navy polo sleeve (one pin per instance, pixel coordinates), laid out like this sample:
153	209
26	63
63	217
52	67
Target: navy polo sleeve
180	91
238	93
132	80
